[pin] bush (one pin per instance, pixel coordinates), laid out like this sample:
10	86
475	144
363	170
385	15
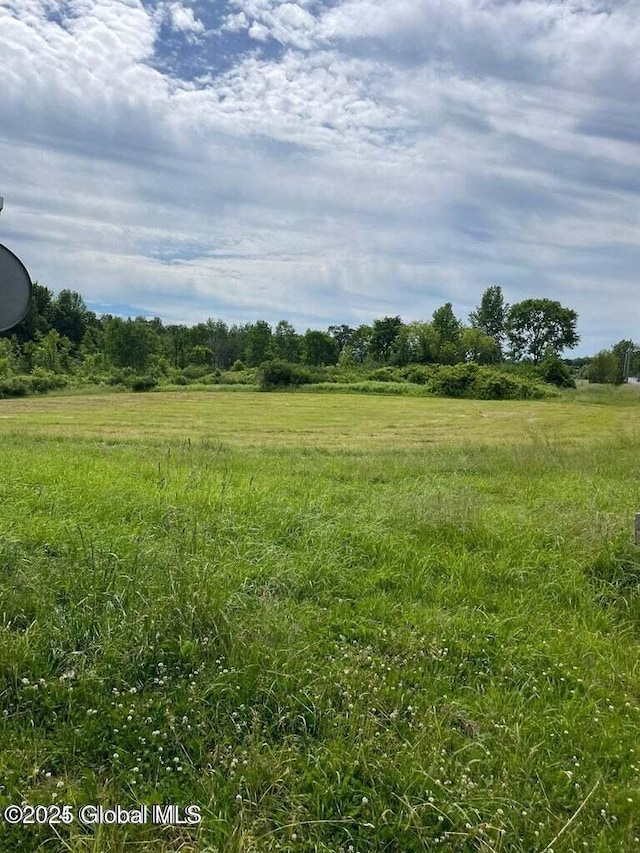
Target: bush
248	376
213	378
238	365
456	380
384	374
15	386
42	380
282	374
554	371
196	371
144	383
418	374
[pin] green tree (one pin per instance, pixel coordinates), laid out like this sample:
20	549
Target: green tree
258	343
604	368
52	352
130	343
536	324
343	334
478	347
489	317
384	337
446	324
319	348
8	359
70	316
620	351
286	342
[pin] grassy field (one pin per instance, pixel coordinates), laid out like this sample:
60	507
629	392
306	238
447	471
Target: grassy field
334	622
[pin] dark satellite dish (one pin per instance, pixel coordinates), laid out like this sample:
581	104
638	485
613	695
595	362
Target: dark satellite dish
15	289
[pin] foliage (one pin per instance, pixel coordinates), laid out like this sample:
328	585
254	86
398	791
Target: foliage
490	316
534	325
604	368
319	348
385	374
384	336
282	374
553	370
146	382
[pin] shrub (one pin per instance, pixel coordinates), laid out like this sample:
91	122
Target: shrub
238	365
384	374
212	378
554	371
418	374
42	380
456	380
15	386
282	374
143	383
196	371
248	376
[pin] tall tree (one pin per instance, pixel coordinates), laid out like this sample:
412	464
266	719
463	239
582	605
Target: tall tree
446	324
286	342
489	317
447	329
536	324
258	341
70	316
319	348
383	338
130	343
343	335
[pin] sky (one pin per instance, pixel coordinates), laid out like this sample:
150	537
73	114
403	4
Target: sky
325	161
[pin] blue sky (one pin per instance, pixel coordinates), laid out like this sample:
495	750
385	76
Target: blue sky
325	162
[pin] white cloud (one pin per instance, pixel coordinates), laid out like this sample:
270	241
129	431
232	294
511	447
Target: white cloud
386	158
183	20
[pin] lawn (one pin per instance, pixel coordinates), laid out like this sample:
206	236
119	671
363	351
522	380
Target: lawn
333	622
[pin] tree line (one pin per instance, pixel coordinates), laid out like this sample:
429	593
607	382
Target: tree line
60	334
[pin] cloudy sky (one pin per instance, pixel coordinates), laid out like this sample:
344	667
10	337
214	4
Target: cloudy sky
325	161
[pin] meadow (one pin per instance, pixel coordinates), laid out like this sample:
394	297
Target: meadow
334	622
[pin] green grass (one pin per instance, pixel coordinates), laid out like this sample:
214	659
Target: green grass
333	622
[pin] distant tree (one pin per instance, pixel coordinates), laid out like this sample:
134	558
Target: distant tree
200	355
343	335
604	368
360	343
218	339
383	338
258	342
52	352
446	324
319	348
489	317
417	343
130	343
176	345
8	357
286	342
70	316
620	351
536	324
478	347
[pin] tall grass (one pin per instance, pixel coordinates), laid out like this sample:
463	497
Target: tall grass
327	648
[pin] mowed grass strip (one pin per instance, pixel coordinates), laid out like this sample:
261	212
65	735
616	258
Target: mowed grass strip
325	648
341	421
